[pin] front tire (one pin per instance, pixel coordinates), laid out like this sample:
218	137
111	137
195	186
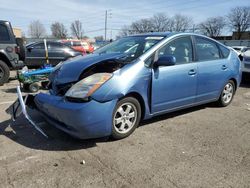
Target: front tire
4	73
227	94
126	117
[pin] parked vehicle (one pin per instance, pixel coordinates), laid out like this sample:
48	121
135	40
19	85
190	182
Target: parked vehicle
89	48
246	61
76	45
138	77
57	52
241	49
11	51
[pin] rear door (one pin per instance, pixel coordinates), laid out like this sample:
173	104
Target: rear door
56	52
213	69
174	86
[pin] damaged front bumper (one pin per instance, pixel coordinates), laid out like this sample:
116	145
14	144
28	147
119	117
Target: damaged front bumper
19	107
85	120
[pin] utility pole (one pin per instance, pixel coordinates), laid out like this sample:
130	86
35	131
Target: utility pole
106	19
107	13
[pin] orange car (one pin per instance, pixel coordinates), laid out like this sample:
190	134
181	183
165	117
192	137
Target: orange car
89	48
76	45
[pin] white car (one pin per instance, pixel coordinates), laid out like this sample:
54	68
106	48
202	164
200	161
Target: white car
241	49
246	61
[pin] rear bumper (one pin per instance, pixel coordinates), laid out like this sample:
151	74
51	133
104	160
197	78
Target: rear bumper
17	64
81	120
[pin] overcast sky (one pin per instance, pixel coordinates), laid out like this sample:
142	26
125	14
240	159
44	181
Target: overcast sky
121	12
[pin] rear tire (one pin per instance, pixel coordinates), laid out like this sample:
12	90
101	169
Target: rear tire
4	72
227	94
126	117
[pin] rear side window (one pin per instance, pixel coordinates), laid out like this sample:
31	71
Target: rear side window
224	51
77	43
54	45
4	34
68	43
206	50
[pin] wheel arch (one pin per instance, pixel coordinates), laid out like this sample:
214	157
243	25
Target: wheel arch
140	99
235	82
4	58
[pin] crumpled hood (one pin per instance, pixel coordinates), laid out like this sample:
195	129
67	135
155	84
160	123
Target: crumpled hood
71	70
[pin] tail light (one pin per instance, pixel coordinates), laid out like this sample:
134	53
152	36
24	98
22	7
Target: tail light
17	49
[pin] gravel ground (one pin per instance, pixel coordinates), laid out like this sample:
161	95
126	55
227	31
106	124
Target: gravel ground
205	146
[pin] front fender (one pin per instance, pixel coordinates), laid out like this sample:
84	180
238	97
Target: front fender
135	78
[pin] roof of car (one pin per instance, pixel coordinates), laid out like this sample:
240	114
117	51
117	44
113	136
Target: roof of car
163	34
239	46
38	42
3	21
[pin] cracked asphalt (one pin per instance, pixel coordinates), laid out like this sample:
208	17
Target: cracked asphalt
205	146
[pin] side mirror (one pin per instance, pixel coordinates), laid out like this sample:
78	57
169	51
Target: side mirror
166	60
30	48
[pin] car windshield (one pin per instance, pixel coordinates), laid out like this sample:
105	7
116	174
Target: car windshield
134	46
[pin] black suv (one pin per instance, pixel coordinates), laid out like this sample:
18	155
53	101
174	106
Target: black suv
11	51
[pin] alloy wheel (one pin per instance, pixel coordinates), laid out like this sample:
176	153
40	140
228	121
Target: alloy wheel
227	93
125	118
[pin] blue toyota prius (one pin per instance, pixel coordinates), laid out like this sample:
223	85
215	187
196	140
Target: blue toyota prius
109	92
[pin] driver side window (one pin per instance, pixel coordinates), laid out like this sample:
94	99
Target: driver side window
180	48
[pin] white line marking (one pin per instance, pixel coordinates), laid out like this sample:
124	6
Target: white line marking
7	102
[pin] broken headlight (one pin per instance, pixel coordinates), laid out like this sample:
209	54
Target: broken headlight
87	86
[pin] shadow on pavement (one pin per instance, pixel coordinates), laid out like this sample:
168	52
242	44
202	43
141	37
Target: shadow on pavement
245	81
178	113
21	132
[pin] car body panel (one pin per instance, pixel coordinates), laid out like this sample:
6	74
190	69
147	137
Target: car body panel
78	65
78	119
170	80
57	52
246	62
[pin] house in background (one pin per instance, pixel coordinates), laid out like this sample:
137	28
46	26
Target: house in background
244	35
17	32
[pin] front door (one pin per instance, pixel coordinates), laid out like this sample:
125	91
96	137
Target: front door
175	86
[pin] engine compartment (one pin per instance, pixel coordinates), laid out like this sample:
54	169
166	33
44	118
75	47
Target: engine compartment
108	66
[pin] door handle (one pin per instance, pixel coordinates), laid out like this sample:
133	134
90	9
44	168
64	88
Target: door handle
192	72
224	67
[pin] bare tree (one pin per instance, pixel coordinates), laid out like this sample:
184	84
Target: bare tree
76	29
181	23
161	22
213	26
99	38
58	30
158	23
142	26
36	29
126	31
239	19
